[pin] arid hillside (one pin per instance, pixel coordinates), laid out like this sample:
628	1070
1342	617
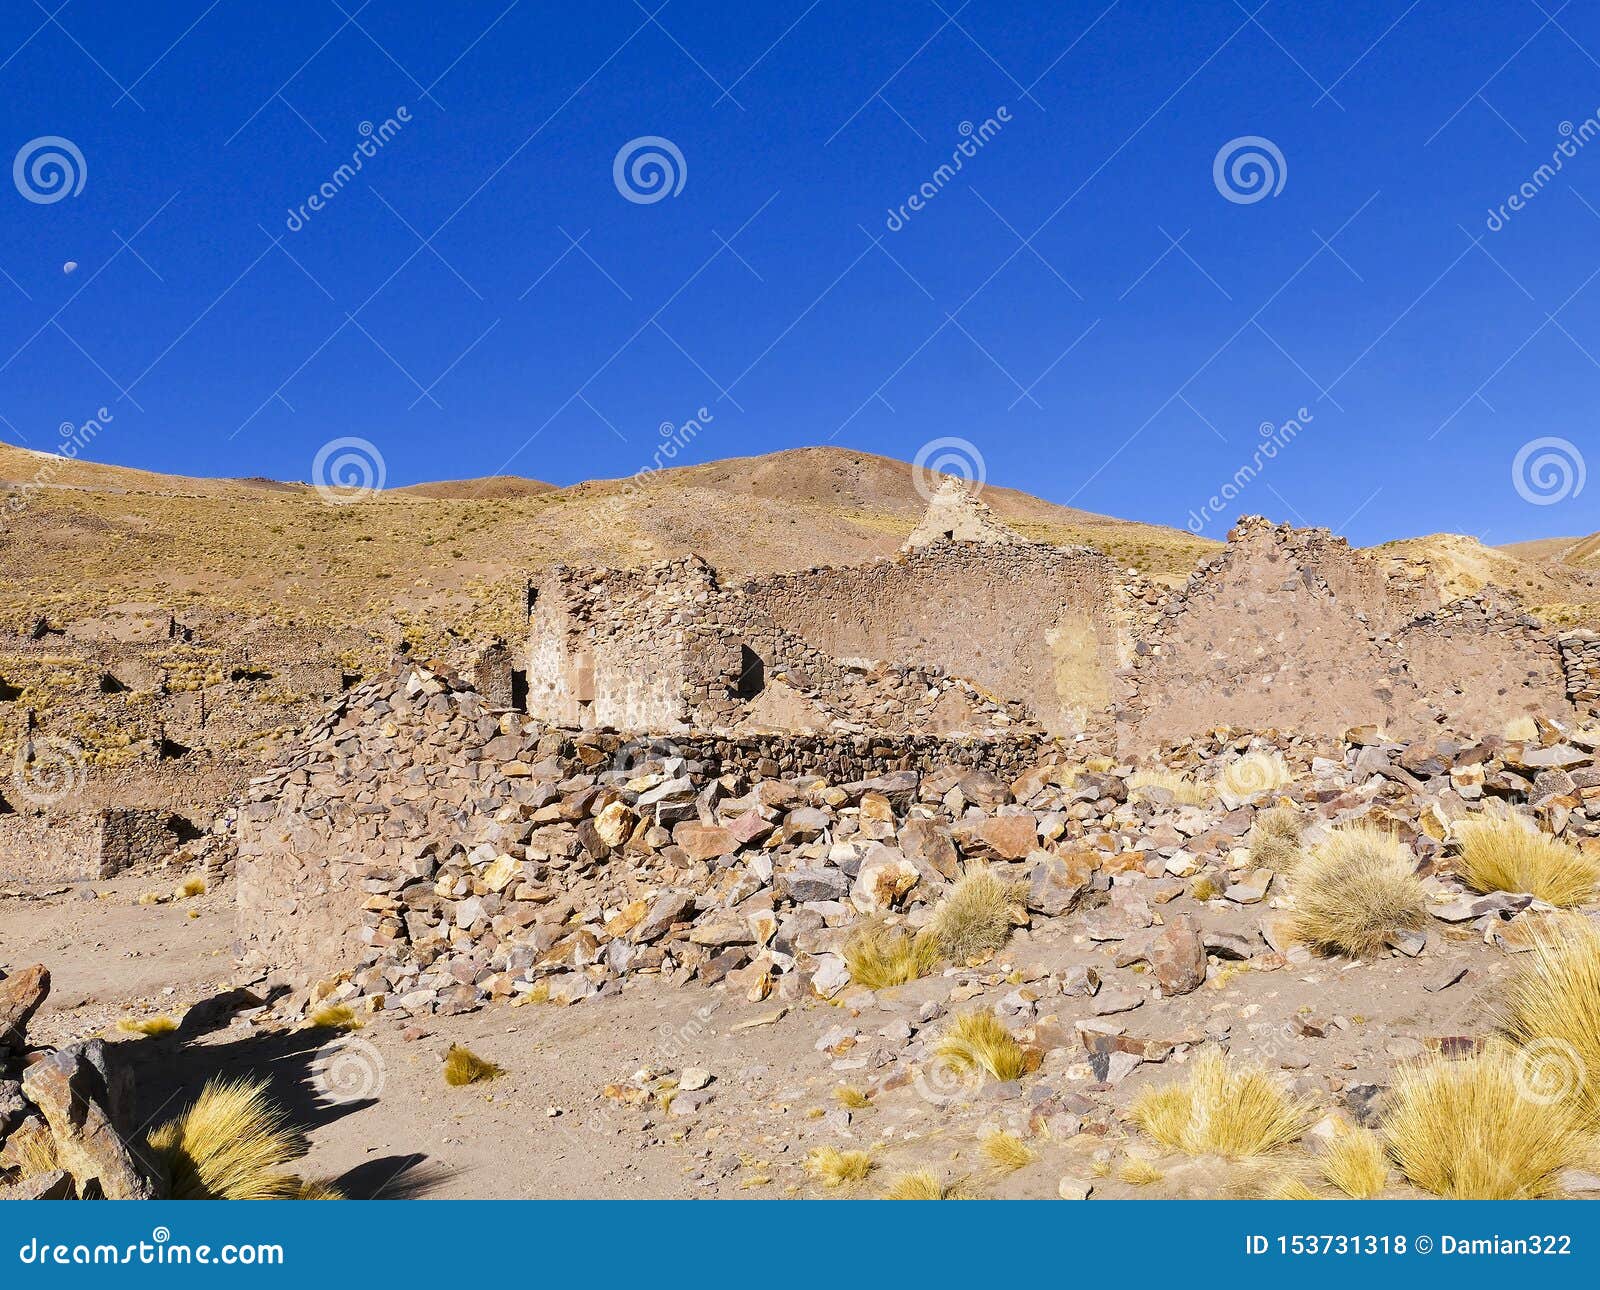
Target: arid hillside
1556	578
453	556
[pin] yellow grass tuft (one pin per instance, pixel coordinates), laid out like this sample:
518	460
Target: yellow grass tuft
1355	890
1521	729
924	1184
1289	1187
879	957
334	1016
853	1098
1205	887
1224	1109
34	1151
974	918
1355	1163
830	1167
1139	1172
147	1025
1502	853
1007	1151
231	1144
319	1189
975	1042
1255	772
1275	838
463	1066
192	887
1552	1008
1185	791
1470	1130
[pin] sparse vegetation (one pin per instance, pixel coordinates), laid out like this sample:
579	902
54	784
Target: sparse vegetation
1185	791
334	1016
979	1043
192	887
1136	1171
851	1098
147	1025
1253	773
1502	853
1469	1130
879	957
1007	1152
1275	837
830	1167
1355	1163
974	918
232	1144
1355	890
462	1066
1223	1109
925	1184
1552	1008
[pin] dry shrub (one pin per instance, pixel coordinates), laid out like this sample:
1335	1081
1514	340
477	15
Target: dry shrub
1356	1164
976	1042
1275	838
1475	1130
1185	791
31	1150
1224	1109
974	918
1289	1187
830	1167
231	1144
147	1025
853	1098
1502	853
879	957
924	1184
1255	772
1521	729
319	1189
463	1066
1355	890
192	887
1139	1172
1552	1008
1008	1152
334	1016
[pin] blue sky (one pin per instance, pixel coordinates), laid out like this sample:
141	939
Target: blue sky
1081	302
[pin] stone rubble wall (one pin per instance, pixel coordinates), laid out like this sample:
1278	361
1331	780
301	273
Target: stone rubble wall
410	797
1580	662
38	849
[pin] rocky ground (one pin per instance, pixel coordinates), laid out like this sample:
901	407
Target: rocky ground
1147	930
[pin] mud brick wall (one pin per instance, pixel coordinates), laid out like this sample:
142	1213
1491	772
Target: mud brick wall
1041	624
83	846
1476	665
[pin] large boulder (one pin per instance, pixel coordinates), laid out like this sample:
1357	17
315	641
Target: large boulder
79	1102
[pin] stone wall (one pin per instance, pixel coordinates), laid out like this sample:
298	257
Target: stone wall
84	846
1580	661
1041	624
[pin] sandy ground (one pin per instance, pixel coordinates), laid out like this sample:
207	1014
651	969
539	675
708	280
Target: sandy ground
382	1121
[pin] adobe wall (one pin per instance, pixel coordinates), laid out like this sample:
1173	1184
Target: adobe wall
80	846
1477	667
1024	621
1258	639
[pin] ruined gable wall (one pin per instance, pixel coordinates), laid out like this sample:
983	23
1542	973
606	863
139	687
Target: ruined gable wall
1477	667
1026	621
1259	640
